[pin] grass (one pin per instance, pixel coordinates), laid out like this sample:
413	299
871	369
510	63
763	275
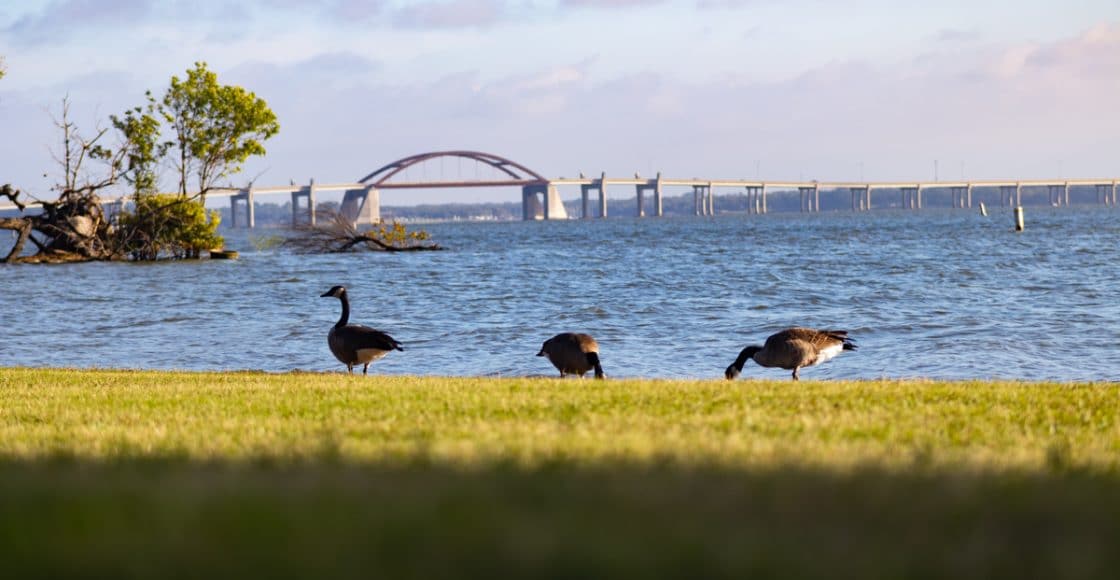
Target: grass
155	474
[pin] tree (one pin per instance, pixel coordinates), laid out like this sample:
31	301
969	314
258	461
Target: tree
216	127
166	225
73	227
140	131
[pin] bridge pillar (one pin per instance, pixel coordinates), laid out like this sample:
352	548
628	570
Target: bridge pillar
584	197
968	195
1018	194
603	195
919	196
641	191
711	200
763	190
806	194
1067	194
817	198
554	208
550	207
361	206
246	197
695	200
528	203
307	193
659	211
1114	193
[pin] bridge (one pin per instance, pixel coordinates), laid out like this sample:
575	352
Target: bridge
540	197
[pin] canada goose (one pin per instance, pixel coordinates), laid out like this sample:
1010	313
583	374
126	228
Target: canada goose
572	353
794	348
354	343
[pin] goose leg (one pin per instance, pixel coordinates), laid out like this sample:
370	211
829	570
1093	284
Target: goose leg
795	377
349	368
365	368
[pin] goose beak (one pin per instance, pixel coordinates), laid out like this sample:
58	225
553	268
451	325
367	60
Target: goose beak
731	373
541	353
325	295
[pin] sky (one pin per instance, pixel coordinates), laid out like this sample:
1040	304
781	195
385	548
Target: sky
773	89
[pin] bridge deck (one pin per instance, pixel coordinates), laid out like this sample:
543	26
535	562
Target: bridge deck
653	182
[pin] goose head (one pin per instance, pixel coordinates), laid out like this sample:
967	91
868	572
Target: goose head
335	292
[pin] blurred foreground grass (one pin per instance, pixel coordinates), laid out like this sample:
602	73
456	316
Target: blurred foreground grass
151	474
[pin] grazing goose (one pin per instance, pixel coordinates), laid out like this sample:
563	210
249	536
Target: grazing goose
573	353
794	348
354	343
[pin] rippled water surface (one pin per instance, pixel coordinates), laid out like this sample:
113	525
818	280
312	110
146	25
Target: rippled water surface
932	294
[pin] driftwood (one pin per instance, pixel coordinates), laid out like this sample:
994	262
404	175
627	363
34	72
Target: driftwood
71	229
337	234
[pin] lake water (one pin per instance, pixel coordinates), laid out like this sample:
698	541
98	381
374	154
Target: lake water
938	294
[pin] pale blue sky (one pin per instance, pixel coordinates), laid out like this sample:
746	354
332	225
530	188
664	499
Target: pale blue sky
801	88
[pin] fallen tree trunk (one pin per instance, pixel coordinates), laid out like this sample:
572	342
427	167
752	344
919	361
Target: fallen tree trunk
73	230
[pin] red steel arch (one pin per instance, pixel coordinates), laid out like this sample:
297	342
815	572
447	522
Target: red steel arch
518	174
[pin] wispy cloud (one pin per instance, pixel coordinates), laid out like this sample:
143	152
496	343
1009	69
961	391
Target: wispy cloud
451	14
609	3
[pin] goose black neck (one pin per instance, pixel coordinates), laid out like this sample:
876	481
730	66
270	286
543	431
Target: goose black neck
745	355
345	311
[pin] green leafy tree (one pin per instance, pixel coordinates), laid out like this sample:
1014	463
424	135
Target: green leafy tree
167	226
216	127
140	129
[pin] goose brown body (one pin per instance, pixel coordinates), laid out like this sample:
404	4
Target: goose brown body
573	353
793	349
355	344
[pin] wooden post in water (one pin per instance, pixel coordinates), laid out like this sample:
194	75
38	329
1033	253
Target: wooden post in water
983	210
1018	218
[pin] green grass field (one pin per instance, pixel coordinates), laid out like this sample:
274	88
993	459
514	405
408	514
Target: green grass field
153	474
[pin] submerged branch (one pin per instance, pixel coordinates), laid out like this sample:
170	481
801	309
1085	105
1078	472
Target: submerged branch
337	235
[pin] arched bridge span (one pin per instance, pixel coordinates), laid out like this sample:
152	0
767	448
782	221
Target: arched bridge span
511	173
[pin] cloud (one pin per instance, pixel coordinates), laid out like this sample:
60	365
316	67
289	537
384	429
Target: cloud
609	3
451	14
1005	110
725	4
59	19
952	35
1095	53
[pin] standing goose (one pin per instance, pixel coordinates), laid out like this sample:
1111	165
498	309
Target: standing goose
794	348
354	343
573	353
